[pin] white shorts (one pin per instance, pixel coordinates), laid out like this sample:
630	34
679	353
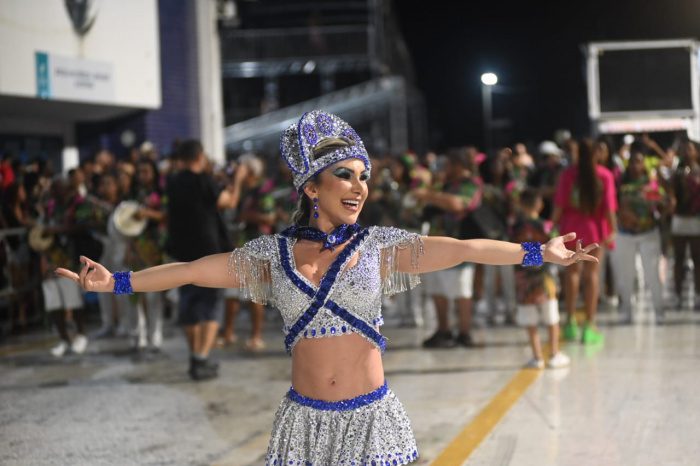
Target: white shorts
60	294
454	283
528	315
685	226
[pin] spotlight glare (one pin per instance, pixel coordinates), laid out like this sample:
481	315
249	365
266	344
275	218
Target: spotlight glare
489	79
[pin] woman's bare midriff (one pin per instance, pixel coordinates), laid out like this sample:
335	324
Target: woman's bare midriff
336	368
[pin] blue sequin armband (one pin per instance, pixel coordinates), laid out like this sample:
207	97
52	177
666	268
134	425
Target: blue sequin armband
533	254
122	283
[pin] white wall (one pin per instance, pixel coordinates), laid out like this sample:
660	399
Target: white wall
211	110
124	36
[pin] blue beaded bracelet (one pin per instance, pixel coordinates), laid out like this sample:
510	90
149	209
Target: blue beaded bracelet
533	254
122	283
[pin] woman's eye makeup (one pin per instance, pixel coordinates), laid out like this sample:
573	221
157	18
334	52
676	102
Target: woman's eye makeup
343	173
346	174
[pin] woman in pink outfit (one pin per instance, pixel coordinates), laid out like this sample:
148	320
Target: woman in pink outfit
585	202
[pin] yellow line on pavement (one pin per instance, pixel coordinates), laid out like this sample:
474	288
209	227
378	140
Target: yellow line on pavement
475	432
29	346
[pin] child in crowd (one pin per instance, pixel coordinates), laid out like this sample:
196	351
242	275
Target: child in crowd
536	288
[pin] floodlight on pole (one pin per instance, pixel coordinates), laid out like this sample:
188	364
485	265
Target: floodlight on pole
489	79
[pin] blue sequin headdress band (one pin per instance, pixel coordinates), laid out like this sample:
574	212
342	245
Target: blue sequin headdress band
299	140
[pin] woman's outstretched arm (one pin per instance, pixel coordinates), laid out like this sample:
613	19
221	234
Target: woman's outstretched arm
441	252
210	272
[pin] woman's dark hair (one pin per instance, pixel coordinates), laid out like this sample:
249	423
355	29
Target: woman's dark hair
137	183
605	140
489	175
684	152
10	199
590	189
408	164
108	174
529	196
302	212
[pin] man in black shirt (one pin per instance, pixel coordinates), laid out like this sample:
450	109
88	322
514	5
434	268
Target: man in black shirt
195	229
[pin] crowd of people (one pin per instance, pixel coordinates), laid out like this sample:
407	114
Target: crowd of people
637	198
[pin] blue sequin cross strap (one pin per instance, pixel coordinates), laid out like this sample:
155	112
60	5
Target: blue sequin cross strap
533	254
122	283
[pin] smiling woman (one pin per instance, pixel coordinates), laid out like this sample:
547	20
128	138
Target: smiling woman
327	146
326	274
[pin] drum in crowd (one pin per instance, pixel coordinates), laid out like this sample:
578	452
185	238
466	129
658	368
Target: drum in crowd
126	221
40	238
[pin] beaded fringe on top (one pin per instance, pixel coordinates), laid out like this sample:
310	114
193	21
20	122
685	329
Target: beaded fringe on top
395	281
253	275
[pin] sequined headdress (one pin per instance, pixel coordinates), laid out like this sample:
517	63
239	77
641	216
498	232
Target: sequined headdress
299	140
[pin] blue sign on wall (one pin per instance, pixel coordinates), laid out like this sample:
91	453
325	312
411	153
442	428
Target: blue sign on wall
43	84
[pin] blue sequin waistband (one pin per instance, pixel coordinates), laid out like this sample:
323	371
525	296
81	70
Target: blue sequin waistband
342	405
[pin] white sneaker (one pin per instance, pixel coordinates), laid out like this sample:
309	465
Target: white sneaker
500	306
79	344
535	363
559	360
482	307
157	340
612	302
255	344
60	349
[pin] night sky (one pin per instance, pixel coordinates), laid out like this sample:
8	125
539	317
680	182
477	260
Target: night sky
535	49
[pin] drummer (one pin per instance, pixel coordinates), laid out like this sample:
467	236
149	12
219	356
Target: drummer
146	250
115	310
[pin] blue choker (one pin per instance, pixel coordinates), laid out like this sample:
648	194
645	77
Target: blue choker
336	237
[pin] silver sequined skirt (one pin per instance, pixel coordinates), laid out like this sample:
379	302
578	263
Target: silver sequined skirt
371	429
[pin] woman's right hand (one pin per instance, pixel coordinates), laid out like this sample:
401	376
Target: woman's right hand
93	276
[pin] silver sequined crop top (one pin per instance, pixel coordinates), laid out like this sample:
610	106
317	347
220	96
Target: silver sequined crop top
346	300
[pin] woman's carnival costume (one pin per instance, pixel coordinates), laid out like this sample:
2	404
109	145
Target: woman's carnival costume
370	429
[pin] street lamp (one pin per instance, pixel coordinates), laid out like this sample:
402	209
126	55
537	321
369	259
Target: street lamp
488	80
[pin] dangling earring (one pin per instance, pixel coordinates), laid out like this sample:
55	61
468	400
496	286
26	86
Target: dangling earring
315	207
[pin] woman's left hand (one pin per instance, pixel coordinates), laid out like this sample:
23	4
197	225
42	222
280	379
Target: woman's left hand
556	252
